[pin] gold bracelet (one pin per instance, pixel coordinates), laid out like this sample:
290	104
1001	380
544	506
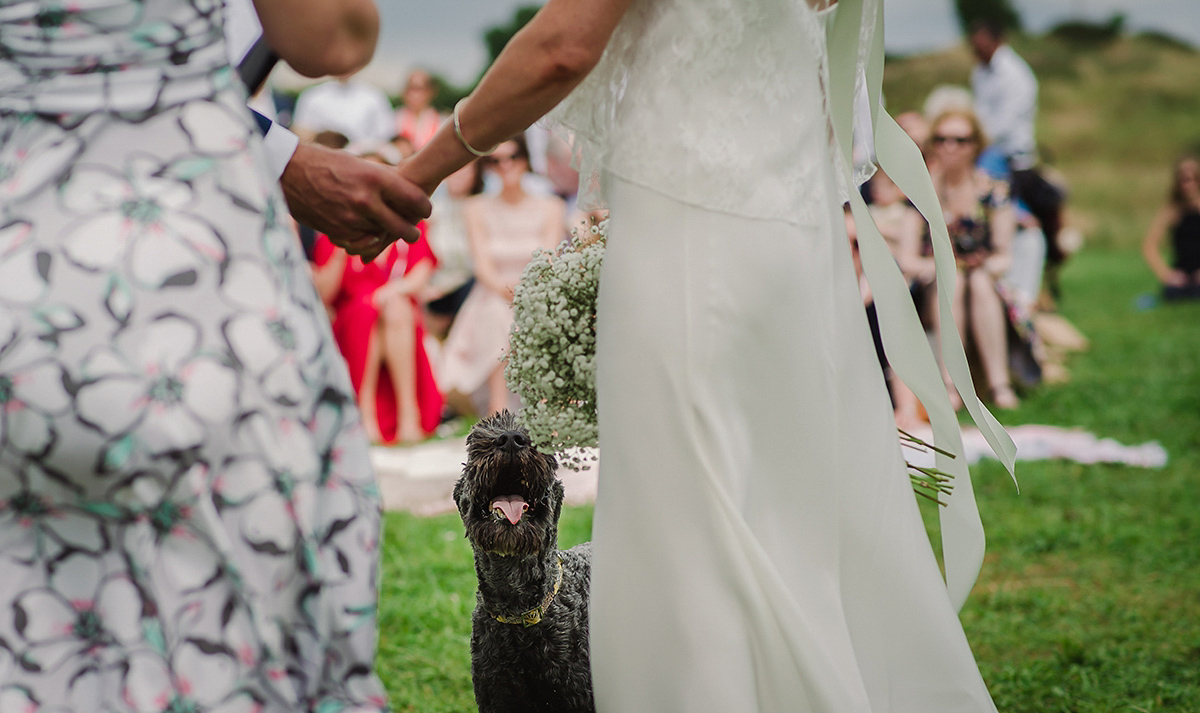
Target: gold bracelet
458	132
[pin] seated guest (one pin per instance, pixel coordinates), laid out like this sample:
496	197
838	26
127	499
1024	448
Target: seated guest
1024	277
452	280
1181	218
903	228
981	221
378	327
906	408
503	229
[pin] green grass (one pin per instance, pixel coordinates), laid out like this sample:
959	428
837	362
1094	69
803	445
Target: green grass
1090	596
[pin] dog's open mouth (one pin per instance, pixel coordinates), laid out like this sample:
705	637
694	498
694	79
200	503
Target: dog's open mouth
511	492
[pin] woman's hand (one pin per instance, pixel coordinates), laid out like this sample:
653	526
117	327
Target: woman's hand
387	293
1176	278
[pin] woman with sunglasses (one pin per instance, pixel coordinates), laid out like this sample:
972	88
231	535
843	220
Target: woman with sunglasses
1180	217
982	222
503	231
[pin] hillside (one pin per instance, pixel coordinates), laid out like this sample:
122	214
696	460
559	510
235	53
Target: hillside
1113	119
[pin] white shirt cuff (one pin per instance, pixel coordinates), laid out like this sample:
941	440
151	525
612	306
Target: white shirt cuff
279	144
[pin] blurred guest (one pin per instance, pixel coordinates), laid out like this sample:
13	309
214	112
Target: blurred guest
1006	94
503	230
378	328
452	280
944	98
903	228
1181	218
559	170
916	126
356	109
1024	277
906	408
417	120
981	222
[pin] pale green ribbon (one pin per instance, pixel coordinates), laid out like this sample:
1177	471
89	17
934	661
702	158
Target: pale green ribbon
903	336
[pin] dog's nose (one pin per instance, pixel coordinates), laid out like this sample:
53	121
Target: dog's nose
512	441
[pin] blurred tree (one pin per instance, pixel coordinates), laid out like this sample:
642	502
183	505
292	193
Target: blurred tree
448	93
498	36
1002	10
495	38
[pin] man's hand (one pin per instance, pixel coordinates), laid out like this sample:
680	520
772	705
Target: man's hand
362	206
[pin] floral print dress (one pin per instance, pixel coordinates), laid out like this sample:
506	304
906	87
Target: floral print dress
188	519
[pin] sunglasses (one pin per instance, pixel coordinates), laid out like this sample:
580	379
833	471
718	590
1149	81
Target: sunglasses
956	140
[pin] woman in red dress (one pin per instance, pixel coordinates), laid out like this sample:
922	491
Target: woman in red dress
377	324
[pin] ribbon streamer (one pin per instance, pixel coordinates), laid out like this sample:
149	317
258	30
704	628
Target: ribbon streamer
856	37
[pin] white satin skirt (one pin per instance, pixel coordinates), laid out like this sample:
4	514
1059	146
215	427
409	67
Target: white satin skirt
757	545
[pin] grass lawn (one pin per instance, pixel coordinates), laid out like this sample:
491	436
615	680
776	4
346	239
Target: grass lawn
1089	601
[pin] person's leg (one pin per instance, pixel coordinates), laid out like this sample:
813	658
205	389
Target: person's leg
988	329
959	308
497	389
399	352
1045	202
370	386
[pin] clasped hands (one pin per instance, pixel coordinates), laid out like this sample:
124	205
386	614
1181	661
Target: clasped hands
362	206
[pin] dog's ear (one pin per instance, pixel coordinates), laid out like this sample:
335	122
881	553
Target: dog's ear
460	496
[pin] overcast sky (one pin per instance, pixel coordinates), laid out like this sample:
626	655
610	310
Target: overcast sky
446	35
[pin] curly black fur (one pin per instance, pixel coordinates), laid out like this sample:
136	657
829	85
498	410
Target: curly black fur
546	666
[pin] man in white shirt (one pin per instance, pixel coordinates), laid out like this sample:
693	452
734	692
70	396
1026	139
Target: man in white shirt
1006	101
359	111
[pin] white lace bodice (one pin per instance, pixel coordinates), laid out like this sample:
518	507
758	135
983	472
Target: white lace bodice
719	103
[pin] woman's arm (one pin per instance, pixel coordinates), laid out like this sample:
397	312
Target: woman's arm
537	69
1004	227
319	37
328	277
1002	220
1152	248
908	248
410	285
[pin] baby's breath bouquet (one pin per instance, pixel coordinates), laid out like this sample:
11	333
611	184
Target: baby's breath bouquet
552	352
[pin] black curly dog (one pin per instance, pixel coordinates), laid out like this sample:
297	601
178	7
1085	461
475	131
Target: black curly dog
529	633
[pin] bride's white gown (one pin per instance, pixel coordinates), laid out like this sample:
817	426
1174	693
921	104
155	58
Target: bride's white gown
757	544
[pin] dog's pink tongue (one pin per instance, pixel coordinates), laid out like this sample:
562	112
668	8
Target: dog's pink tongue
513	507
